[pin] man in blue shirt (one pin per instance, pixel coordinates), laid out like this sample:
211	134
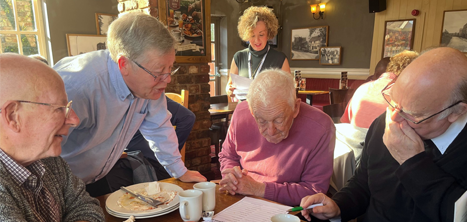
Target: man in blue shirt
118	92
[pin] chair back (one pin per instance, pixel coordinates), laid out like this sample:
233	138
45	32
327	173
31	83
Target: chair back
340	95
181	98
335	111
218	99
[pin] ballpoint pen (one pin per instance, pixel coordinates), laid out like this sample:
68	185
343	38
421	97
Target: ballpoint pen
301	208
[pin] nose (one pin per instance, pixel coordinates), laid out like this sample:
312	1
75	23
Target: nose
271	129
167	78
73	119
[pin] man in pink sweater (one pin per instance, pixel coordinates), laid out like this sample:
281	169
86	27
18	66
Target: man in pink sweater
277	147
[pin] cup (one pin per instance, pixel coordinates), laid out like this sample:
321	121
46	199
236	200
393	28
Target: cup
191	202
177	34
285	218
209	194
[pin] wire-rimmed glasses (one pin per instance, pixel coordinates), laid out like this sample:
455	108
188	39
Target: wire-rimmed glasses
162	76
67	108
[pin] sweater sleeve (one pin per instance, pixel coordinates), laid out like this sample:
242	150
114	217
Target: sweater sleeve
315	176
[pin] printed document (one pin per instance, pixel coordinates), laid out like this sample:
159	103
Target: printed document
241	85
460	209
250	209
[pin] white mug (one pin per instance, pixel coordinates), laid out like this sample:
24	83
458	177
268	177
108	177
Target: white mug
177	34
209	194
285	218
191	202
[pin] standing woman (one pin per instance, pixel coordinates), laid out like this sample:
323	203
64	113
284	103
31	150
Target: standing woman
257	25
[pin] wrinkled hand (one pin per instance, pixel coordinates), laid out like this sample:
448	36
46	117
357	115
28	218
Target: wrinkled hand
401	140
192	176
235	180
327	211
230	178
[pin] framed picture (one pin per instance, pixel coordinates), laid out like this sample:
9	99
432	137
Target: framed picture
187	22
307	41
454	32
79	44
103	21
330	55
398	36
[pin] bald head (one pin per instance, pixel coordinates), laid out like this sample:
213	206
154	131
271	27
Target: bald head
23	78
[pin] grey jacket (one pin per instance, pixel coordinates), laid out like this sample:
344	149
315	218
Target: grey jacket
69	192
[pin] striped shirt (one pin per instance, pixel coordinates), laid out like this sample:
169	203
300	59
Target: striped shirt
29	179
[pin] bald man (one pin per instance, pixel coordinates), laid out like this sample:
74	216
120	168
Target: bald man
35	183
413	166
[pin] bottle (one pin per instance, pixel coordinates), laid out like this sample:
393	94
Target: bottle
343	81
297	76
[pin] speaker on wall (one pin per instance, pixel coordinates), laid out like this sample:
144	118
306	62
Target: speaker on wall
377	5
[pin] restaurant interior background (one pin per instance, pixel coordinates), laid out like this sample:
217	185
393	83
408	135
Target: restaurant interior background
351	26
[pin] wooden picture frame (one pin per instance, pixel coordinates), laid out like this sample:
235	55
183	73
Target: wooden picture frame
79	44
305	42
190	23
331	55
398	36
454	31
103	21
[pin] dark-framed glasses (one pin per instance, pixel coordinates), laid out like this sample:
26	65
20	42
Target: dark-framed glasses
386	95
161	76
67	108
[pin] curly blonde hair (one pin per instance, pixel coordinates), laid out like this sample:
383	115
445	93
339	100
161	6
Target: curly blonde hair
400	61
252	15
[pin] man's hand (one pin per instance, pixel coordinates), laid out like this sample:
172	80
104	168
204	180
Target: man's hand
192	176
401	140
230	178
327	211
237	181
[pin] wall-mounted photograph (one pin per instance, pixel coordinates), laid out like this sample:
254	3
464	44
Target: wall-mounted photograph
398	36
307	41
79	44
454	32
103	21
330	55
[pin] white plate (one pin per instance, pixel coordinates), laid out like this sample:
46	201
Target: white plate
112	205
141	217
156	213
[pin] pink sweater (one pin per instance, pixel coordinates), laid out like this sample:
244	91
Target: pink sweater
298	166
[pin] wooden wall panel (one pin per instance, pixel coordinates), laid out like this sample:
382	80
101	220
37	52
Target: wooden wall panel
428	23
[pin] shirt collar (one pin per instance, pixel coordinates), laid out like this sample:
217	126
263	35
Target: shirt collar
444	140
117	81
19	172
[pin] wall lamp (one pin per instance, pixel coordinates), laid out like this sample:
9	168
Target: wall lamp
321	8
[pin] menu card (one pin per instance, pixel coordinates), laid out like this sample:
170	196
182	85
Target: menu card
241	85
250	209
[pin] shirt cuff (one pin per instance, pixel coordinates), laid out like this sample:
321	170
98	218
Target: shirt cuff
177	169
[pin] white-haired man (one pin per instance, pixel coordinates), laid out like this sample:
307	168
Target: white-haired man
118	92
413	166
277	147
35	183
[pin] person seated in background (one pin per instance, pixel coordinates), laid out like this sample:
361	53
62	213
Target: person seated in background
379	69
35	183
120	91
367	103
414	159
277	147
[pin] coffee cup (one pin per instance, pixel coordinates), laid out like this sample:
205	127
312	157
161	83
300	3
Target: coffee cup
209	194
177	34
285	218
191	202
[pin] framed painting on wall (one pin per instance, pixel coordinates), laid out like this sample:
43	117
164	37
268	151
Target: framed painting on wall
79	44
454	31
103	21
398	36
188	23
330	55
307	41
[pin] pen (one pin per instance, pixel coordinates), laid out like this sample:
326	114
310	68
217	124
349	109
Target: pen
301	208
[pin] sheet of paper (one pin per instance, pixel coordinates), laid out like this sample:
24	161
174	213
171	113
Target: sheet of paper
460	209
241	85
250	210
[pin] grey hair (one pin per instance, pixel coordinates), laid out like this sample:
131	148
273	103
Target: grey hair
269	85
459	94
135	33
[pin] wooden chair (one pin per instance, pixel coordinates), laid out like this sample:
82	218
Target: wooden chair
335	111
340	95
181	98
218	129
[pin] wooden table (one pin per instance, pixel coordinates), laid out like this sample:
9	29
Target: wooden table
223	201
310	93
222	110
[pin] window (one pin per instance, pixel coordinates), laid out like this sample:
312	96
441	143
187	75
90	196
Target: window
21	27
214	76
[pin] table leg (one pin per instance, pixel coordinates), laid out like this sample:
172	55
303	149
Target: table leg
309	99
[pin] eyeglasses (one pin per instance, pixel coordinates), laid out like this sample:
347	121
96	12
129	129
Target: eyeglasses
162	76
67	107
406	116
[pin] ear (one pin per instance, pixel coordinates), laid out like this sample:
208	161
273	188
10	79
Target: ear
10	116
455	115
124	65
296	107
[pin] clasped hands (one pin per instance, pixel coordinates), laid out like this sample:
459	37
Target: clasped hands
235	180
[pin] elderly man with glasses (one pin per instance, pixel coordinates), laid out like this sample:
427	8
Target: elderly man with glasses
118	92
35	183
413	166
